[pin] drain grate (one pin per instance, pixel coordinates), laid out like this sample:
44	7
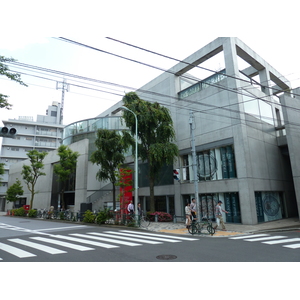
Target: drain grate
166	257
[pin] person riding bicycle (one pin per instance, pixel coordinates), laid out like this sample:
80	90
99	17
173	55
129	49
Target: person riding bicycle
130	208
193	209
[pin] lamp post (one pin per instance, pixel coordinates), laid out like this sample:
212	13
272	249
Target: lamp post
136	161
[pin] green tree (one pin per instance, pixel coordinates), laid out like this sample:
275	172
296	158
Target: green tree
4	70
14	191
155	134
109	155
32	172
1	171
65	167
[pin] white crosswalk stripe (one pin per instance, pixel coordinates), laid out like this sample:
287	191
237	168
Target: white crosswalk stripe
37	246
144	237
270	240
247	236
294	246
282	241
63	244
139	240
265	238
108	246
107	239
165	236
15	251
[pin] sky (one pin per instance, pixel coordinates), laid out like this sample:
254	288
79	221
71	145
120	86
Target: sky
118	75
164	28
173	28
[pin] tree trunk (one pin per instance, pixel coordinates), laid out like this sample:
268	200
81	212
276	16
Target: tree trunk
152	200
31	200
62	199
114	196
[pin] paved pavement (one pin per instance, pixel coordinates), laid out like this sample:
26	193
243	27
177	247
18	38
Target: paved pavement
231	229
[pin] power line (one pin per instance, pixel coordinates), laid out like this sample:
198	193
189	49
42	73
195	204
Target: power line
189	64
168	71
118	85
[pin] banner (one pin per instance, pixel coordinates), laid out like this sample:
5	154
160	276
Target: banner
125	189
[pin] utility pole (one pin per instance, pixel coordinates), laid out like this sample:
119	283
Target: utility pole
191	121
65	87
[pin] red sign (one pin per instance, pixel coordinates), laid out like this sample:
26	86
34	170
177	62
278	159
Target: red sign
125	189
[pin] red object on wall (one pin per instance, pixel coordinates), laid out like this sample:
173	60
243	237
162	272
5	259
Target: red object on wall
125	189
26	207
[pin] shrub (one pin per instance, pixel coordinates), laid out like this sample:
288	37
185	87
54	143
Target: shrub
103	216
32	213
21	212
61	215
89	217
162	216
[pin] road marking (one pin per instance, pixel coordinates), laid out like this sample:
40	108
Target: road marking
125	238
145	237
86	241
58	228
106	239
248	236
15	251
294	246
40	247
159	235
63	244
265	238
282	241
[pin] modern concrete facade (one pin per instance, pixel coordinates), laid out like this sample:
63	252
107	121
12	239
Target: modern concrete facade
43	135
242	139
243	115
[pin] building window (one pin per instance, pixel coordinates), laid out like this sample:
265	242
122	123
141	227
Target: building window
269	206
213	164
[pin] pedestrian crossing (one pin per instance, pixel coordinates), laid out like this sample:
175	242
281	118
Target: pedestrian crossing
55	244
292	243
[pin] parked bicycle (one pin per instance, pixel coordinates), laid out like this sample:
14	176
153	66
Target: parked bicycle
137	220
203	227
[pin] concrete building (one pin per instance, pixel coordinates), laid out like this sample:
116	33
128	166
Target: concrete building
44	134
242	116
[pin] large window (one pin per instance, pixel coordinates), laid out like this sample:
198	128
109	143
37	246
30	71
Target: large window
269	206
213	164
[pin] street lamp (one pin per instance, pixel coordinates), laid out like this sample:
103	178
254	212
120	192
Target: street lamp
136	161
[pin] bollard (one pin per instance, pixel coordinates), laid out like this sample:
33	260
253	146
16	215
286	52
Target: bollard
174	219
156	218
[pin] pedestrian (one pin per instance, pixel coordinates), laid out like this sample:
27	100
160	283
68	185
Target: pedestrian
188	215
193	210
219	216
140	211
130	208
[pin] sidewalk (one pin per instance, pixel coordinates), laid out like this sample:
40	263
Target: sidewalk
232	229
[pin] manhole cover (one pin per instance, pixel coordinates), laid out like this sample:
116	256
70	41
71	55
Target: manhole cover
166	257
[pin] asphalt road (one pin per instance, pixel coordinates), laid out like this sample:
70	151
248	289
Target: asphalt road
30	240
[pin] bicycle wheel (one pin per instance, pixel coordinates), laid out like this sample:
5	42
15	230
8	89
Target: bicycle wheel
144	222
210	229
193	229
